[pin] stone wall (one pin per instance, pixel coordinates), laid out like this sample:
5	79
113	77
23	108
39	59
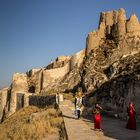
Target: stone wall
77	59
42	101
35	81
92	41
26	99
31	72
133	24
114	20
60	61
51	75
112	25
19	83
3	99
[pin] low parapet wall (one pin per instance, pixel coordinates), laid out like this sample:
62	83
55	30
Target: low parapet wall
42	101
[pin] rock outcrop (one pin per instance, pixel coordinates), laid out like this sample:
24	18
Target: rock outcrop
107	70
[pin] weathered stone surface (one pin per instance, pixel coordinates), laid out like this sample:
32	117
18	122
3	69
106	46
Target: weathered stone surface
77	59
32	72
42	101
35	81
19	83
3	100
116	85
60	61
133	24
26	99
114	22
92	41
121	23
101	30
50	76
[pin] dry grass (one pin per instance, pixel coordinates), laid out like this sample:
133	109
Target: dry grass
31	123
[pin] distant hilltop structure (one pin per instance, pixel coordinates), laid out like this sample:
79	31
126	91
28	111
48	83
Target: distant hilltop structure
113	25
108	69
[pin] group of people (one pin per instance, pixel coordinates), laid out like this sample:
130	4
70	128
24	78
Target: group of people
131	124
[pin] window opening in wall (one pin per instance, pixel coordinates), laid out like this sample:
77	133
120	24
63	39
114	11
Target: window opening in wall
31	89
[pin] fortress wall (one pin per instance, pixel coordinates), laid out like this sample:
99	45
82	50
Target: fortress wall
32	72
92	41
36	81
50	75
19	85
3	98
133	24
115	22
77	59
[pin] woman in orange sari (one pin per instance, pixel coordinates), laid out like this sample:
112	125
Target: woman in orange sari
97	117
131	124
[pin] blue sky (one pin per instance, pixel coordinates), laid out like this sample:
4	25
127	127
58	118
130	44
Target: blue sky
34	32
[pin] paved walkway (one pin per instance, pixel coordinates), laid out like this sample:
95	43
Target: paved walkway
76	129
113	129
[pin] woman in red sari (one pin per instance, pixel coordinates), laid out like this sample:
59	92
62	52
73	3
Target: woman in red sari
131	124
97	117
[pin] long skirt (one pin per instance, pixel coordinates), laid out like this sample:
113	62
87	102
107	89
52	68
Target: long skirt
131	124
97	121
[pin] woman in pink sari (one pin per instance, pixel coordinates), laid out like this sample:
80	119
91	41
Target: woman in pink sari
97	117
131	124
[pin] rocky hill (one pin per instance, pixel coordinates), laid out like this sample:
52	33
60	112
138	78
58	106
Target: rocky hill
107	70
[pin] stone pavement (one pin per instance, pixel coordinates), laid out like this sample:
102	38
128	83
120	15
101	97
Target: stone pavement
113	129
76	129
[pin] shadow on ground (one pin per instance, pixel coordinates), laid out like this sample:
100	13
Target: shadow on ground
70	117
115	128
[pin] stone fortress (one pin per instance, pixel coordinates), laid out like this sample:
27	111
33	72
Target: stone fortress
34	81
107	70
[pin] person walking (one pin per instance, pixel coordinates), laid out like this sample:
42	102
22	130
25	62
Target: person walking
97	117
79	104
131	124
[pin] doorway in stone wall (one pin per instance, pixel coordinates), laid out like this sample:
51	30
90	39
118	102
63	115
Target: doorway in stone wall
31	89
20	101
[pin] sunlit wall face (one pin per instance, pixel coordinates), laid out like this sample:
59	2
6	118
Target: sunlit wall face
32	33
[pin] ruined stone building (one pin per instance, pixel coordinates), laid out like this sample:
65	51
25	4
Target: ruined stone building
107	70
